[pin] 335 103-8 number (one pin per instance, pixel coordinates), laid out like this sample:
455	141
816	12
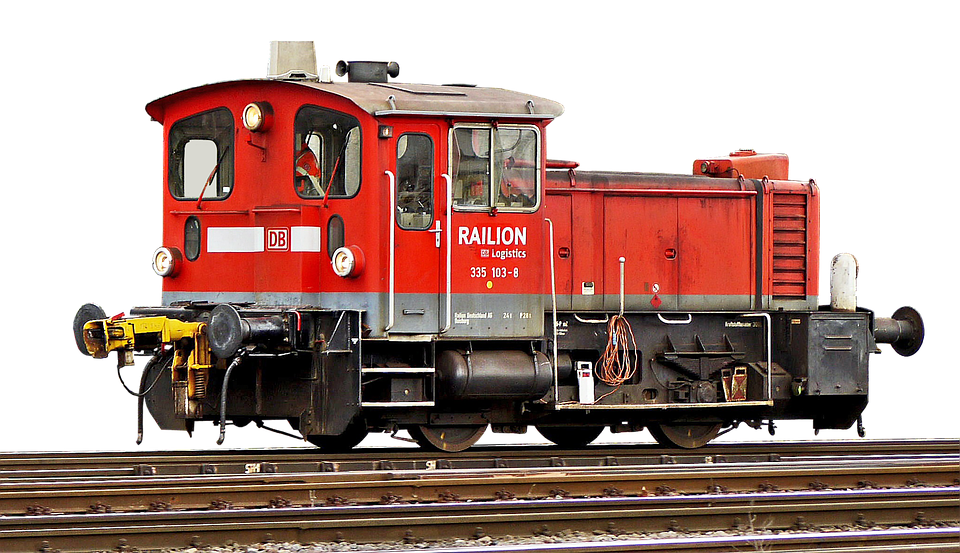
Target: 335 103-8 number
495	272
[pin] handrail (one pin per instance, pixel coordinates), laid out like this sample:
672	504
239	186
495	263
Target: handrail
654	192
769	325
604	320
209	212
391	298
665	321
449	292
553	295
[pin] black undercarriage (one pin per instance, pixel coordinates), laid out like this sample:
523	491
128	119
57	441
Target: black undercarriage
687	376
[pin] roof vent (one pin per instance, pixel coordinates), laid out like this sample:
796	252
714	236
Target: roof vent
293	60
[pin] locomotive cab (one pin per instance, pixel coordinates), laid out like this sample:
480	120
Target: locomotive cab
369	255
301	212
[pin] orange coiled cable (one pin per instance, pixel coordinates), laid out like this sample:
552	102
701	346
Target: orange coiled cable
616	364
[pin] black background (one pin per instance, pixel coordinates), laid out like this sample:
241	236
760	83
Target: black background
862	120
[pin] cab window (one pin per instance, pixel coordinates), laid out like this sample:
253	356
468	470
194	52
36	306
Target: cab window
496	167
414	181
201	156
326	153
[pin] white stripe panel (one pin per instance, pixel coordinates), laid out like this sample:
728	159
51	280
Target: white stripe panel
304	239
251	239
234	239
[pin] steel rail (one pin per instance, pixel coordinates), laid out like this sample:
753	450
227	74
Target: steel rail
418	522
312	489
305	460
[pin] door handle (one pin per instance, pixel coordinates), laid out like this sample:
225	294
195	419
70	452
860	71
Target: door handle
436	230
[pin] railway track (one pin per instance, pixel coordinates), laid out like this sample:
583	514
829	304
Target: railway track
220	497
414	523
107	463
84	494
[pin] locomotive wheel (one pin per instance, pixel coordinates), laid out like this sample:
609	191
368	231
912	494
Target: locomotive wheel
447	438
354	434
570	437
684	436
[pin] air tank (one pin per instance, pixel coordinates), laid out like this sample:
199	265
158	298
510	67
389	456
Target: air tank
493	375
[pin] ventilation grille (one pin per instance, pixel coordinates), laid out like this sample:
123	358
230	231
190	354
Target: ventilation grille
789	246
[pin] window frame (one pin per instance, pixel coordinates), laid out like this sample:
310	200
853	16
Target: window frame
332	246
296	148
227	162
453	149
433	184
193	219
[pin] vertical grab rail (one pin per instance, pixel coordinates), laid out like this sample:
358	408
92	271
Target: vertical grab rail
393	250
623	261
769	333
448	322
553	295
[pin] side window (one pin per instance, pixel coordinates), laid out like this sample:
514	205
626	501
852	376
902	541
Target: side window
471	166
515	167
191	238
201	156
496	167
326	153
335	237
414	181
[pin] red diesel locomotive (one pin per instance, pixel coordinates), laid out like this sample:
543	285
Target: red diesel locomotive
373	256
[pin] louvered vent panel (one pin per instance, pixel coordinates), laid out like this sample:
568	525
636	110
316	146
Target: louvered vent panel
789	246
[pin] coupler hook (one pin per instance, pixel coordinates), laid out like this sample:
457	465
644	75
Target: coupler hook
861	431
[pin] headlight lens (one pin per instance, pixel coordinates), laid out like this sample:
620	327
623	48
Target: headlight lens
347	261
166	261
257	116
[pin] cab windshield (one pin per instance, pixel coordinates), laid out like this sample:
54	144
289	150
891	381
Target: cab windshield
201	156
326	154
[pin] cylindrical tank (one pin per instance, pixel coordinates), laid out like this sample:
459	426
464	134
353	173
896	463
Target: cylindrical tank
843	282
494	374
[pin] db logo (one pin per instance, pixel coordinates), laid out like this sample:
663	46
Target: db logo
277	239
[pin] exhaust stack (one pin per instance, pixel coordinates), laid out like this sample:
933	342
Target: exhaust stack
293	60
